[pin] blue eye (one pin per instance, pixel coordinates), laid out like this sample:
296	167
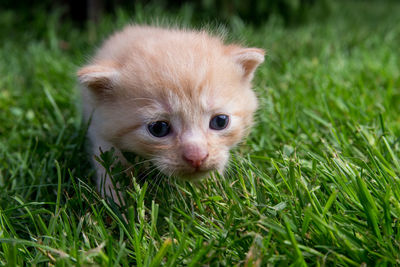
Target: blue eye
159	128
219	122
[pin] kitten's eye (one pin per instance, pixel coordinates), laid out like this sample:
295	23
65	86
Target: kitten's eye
219	122
159	128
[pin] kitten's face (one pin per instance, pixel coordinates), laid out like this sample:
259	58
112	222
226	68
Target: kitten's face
186	132
181	108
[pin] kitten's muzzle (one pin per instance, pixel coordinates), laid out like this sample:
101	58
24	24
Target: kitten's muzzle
194	155
195	163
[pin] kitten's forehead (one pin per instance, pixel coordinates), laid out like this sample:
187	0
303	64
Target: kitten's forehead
194	89
183	66
197	99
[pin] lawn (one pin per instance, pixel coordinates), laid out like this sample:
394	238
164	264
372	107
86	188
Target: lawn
316	183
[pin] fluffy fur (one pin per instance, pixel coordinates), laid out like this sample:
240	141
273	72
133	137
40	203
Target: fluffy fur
144	74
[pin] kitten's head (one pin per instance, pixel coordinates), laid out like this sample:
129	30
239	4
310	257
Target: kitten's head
181	99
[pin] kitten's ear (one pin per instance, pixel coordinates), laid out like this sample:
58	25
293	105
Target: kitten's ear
98	78
248	59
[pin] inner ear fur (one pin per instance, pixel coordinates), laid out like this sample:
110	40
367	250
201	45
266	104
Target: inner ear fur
248	58
98	78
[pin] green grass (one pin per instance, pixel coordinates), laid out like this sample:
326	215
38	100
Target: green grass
317	182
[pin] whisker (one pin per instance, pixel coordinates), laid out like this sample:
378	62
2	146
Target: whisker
131	166
156	182
159	183
149	171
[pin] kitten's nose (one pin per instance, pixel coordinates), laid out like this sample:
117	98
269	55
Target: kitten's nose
194	155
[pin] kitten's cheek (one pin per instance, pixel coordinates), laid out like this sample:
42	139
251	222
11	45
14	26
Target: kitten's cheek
223	162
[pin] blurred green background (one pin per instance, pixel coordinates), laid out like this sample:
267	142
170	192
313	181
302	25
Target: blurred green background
291	12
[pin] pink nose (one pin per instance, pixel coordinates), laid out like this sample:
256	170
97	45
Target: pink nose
194	155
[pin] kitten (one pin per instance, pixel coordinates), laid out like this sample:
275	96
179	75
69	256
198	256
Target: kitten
179	98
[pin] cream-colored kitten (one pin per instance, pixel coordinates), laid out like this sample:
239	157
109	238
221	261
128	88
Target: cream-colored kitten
180	98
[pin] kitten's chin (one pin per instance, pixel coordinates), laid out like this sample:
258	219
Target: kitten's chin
194	174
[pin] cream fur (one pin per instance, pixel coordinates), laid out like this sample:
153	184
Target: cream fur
144	74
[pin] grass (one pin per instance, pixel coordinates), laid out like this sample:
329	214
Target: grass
316	183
